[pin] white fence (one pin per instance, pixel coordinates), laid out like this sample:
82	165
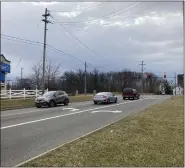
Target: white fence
10	94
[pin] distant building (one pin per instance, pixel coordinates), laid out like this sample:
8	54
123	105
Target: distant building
179	91
5	69
162	88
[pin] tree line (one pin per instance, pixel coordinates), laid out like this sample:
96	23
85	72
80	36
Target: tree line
70	81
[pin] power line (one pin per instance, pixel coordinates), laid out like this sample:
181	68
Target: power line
60	51
79	60
80	41
31	43
100	16
17	39
83	8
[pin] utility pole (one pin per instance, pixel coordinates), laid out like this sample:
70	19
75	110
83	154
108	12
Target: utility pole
21	77
46	15
183	8
142	69
85	83
21	73
175	82
110	82
0	27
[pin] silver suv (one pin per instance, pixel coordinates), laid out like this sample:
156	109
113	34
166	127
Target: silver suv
52	98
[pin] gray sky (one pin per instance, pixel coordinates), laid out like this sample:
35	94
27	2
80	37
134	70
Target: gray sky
148	31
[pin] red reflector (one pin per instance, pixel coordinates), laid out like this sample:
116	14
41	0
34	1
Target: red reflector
104	97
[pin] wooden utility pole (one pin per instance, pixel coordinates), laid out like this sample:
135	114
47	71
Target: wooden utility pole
183	8
21	73
175	82
0	27
142	71
46	15
85	80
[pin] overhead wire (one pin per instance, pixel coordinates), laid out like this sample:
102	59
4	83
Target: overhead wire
81	8
53	48
36	43
17	38
98	17
79	39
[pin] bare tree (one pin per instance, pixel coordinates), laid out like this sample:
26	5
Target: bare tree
52	71
37	75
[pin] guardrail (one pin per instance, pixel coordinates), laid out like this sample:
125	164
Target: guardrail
11	94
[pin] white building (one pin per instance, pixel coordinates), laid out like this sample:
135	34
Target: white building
179	91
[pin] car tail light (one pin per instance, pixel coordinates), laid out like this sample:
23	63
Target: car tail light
104	97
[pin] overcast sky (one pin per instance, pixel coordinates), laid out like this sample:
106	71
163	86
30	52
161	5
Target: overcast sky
119	35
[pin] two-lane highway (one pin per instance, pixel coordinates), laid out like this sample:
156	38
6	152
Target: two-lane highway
25	133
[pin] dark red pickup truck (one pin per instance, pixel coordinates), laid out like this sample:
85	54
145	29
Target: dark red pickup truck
130	94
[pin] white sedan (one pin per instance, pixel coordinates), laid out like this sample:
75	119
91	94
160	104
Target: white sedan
104	97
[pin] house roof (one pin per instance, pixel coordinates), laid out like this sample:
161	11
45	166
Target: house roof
3	57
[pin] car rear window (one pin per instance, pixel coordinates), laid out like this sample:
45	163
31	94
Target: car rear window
127	90
102	93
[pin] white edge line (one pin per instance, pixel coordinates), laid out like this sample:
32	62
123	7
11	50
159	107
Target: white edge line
72	140
40	110
63	115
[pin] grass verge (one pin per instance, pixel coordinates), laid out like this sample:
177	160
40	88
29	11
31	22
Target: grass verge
21	103
153	138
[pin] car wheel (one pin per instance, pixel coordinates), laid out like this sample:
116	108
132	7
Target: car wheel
38	106
116	100
66	102
95	102
108	101
52	103
124	98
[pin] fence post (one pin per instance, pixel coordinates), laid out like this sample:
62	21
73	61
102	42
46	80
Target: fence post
10	93
36	92
24	93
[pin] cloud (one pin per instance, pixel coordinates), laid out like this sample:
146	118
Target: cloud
121	41
72	14
44	3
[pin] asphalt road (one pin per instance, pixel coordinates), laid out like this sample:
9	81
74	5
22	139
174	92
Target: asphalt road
26	133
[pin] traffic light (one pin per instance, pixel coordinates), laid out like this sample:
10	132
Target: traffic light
165	75
149	76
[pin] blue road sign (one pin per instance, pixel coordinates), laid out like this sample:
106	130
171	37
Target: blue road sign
5	67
